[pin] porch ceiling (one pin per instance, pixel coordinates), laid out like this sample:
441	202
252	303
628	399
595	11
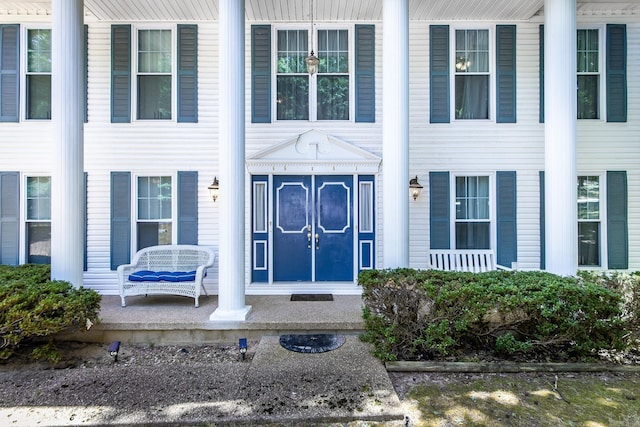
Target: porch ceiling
324	10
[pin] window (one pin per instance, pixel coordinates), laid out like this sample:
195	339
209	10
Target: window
366	207
38	220
260	207
154	74
322	96
472	211
38	74
588	64
155	211
589	220
472	74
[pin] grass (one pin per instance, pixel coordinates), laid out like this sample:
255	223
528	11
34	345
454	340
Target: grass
586	400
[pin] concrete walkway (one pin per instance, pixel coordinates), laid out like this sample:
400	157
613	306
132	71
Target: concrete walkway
275	387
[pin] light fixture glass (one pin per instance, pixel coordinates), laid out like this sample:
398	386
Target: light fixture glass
414	187
214	189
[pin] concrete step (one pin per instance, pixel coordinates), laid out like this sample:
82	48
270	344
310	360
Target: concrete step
169	320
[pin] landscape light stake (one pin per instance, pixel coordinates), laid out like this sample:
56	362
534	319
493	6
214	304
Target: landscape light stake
114	348
242	344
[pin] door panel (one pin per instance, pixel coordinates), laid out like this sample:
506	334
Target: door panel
292	212
334	230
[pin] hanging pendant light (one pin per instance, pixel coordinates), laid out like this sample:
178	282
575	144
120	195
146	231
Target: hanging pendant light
312	60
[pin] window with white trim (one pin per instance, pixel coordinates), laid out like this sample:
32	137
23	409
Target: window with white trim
154	222
154	74
590	205
38	74
472	209
472	74
38	220
588	69
324	95
365	194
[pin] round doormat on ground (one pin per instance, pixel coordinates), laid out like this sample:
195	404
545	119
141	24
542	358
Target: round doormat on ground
311	343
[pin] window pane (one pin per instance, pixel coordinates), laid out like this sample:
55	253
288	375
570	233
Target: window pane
39	51
154	97
589	243
39	243
472	235
260	207
39	198
154	198
154	51
333	51
588	57
292	51
588	96
472	197
588	197
472	96
293	97
333	97
366	207
472	51
38	96
153	233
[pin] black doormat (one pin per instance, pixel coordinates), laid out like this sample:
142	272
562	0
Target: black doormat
311	343
311	297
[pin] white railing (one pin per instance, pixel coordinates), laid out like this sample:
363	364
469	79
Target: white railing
471	260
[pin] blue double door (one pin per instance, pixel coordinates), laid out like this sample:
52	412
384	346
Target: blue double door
313	236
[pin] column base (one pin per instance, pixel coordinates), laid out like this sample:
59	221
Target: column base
239	315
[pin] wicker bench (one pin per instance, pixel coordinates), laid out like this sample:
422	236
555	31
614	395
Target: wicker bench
472	260
166	270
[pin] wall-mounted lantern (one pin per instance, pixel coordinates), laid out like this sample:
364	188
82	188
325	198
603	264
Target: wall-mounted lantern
414	187
214	189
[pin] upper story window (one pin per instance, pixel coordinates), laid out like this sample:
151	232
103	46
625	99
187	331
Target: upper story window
472	212
154	223
154	74
588	68
38	73
38	220
321	96
472	74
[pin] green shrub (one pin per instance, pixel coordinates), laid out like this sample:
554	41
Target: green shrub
414	314
32	307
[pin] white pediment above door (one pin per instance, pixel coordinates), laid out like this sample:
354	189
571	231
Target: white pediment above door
313	152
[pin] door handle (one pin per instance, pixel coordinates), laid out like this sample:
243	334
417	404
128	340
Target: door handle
317	241
308	237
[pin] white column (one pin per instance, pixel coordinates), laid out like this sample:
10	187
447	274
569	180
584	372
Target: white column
395	133
231	253
67	116
561	221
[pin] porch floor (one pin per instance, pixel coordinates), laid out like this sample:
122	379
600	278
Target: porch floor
173	320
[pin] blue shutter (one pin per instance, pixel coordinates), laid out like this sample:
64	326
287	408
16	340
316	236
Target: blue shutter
84	245
616	73
188	208
120	218
440	217
9	76
365	73
542	224
9	217
188	73
261	74
507	229
439	103
506	73
120	73
617	223
541	74
86	71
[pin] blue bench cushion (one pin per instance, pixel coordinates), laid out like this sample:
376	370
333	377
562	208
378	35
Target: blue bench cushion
167	276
